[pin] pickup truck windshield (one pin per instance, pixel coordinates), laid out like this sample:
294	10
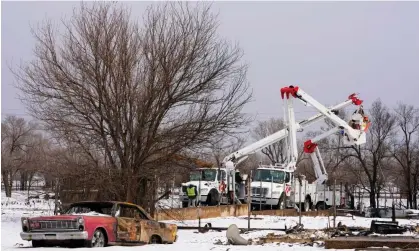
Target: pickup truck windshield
90	207
204	175
264	175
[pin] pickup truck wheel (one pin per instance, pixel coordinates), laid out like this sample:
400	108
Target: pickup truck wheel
38	243
98	239
155	240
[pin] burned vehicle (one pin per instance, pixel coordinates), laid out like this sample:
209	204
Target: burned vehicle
97	224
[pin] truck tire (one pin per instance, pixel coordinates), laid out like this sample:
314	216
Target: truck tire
281	202
212	198
321	206
306	205
38	243
98	240
184	204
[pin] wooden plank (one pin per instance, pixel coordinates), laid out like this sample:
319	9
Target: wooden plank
367	242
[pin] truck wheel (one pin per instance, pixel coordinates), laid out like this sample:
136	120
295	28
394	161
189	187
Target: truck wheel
306	206
98	240
185	204
155	239
321	206
38	243
212	198
281	202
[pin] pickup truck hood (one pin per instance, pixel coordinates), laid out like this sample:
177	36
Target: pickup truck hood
55	217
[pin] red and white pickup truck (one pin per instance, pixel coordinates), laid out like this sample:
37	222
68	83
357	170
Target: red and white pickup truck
97	224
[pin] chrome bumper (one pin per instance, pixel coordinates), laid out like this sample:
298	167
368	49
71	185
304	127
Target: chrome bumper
54	235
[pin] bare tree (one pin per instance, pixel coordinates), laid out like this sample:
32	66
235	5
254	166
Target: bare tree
34	160
372	155
138	94
15	135
405	149
222	147
275	152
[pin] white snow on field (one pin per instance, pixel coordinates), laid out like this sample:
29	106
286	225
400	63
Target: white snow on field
17	206
172	202
280	222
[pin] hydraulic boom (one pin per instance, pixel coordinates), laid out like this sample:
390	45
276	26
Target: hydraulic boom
243	153
354	132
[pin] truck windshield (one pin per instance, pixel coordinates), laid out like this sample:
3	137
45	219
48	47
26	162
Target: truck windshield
204	175
91	208
265	175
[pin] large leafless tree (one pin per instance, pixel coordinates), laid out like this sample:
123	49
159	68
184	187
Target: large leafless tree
18	147
136	93
277	151
372	157
406	147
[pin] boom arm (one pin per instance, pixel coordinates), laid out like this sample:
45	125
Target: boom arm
354	133
311	148
243	153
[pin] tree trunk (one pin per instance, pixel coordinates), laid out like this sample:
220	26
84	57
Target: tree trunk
6	181
142	192
132	187
351	195
409	189
23	181
409	198
372	197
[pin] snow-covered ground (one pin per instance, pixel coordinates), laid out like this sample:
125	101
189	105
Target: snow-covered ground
13	208
280	222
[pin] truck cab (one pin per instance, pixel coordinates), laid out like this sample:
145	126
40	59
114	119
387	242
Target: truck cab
271	185
209	183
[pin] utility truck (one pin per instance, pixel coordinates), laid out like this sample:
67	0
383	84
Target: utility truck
213	185
218	190
277	186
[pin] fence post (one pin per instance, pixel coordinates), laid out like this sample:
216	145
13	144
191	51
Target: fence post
334	204
249	201
299	198
260	194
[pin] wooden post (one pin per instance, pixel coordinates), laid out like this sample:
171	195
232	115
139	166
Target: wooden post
260	195
334	204
272	182
199	203
299	198
249	201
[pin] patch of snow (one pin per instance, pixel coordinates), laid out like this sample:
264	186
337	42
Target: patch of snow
280	222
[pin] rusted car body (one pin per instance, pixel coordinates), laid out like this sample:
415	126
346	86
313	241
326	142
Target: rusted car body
97	224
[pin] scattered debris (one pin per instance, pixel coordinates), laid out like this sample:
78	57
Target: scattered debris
298	235
386	227
295	229
234	238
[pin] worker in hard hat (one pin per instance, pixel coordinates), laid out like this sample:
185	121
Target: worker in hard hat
192	193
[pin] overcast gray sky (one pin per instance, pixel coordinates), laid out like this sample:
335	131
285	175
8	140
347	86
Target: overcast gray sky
330	49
